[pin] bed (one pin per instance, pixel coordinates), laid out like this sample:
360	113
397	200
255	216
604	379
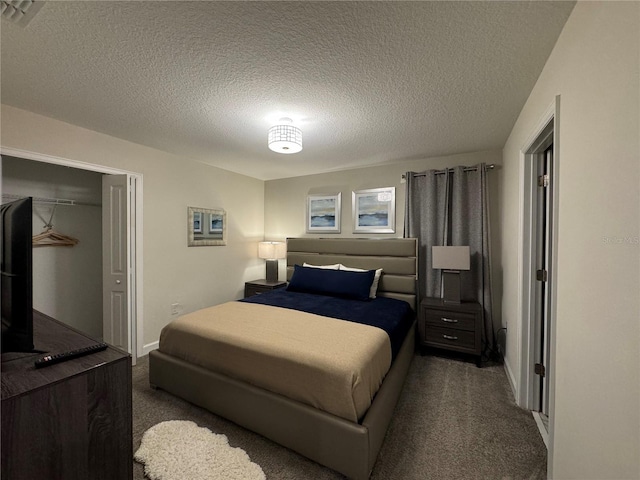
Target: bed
347	439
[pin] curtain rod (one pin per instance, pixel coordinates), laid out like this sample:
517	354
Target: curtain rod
441	172
48	201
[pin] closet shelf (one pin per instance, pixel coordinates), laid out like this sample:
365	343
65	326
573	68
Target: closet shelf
49	201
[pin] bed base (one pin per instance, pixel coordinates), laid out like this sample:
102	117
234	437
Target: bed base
347	447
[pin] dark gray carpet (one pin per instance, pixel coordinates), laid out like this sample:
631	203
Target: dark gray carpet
453	421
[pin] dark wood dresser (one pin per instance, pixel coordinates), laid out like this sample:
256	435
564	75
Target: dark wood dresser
451	326
66	421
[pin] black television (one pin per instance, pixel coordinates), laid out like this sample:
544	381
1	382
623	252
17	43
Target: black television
17	277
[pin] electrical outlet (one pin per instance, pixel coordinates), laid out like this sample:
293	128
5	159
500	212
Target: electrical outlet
176	309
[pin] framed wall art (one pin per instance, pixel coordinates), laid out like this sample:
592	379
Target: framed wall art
197	222
206	227
323	213
374	210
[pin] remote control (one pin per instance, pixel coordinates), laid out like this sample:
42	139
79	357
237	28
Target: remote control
61	357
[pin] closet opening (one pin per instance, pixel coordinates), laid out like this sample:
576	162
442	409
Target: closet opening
70	280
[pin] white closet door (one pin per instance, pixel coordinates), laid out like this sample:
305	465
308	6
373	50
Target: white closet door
115	267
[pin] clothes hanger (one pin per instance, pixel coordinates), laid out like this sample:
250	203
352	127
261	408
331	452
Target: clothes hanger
50	238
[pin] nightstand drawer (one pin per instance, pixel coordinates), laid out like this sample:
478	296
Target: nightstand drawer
251	290
457	320
451	338
261	286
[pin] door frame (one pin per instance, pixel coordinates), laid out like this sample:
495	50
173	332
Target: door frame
135	315
547	130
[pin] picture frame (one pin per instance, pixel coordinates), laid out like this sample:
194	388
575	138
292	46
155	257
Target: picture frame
197	222
323	213
216	223
374	210
215	232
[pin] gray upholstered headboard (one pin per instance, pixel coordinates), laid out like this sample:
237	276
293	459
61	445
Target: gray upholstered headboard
398	258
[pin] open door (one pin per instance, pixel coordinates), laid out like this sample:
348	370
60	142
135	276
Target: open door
116	271
544	263
538	303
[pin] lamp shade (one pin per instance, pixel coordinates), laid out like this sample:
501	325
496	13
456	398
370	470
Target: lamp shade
450	258
272	250
285	138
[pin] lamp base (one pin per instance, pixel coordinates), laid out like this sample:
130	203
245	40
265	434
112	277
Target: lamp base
451	286
272	271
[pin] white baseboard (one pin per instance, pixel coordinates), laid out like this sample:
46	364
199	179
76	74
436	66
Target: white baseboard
512	380
543	430
149	347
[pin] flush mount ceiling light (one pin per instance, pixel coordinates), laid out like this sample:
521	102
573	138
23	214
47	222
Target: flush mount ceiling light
284	137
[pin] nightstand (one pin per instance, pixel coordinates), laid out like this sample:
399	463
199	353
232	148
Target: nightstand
451	326
260	286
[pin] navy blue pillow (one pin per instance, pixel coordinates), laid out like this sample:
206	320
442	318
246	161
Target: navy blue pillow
339	283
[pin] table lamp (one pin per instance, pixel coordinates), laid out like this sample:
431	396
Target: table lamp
450	260
271	252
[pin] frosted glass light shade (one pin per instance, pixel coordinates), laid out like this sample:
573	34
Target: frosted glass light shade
285	139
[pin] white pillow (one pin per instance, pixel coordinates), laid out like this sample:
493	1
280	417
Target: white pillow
335	266
376	278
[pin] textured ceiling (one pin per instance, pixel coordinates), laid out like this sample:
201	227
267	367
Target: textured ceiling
367	82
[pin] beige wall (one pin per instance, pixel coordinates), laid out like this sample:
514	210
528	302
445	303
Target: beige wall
285	201
594	67
194	277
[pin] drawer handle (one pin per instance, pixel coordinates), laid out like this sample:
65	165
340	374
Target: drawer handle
449	337
449	320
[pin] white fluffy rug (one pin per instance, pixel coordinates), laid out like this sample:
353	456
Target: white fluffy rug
179	450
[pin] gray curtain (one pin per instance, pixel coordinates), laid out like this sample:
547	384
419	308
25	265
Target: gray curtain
451	207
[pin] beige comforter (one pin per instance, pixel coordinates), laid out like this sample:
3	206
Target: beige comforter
331	364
